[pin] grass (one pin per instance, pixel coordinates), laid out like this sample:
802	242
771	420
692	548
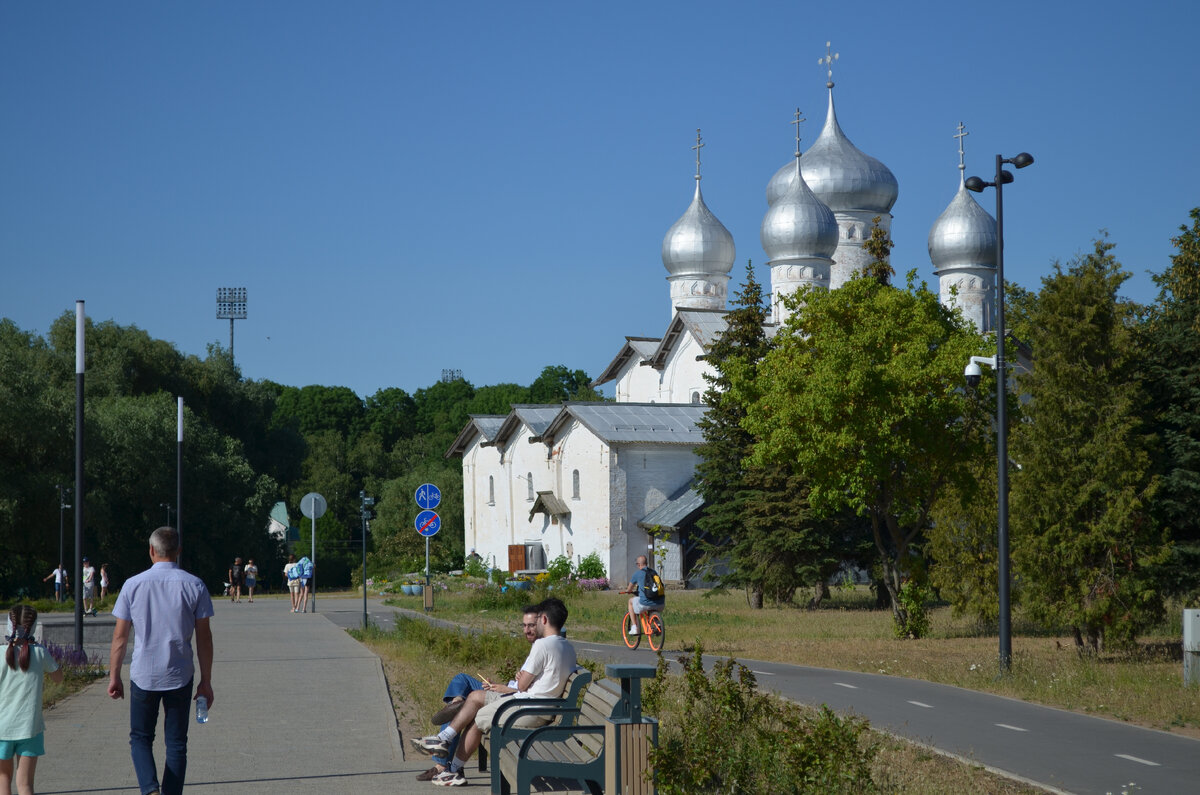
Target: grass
1145	687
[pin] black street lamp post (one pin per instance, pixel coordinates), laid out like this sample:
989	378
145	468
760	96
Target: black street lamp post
976	184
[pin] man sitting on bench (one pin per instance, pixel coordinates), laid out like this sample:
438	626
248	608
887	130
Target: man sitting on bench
543	675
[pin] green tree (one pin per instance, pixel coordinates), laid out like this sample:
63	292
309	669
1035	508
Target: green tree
862	394
557	383
1171	373
721	472
1083	541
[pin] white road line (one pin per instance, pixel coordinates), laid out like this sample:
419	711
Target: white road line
843	684
1139	761
919	704
762	673
597	651
1011	728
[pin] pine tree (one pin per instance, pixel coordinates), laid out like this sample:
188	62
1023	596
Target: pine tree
721	473
1171	341
1084	545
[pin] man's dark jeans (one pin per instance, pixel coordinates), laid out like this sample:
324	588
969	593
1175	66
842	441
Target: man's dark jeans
143	717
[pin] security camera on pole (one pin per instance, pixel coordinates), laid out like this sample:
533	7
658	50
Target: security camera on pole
428	523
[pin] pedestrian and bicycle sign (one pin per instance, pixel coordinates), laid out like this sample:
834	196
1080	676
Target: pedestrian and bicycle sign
428	496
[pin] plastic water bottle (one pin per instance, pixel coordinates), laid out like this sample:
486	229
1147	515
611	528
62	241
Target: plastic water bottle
201	710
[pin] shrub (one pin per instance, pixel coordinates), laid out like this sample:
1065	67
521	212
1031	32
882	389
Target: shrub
474	568
591	568
913	596
722	735
559	569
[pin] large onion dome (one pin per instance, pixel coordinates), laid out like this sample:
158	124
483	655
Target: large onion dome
842	176
698	244
964	235
798	225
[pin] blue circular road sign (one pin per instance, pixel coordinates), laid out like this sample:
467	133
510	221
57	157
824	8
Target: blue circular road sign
428	497
428	523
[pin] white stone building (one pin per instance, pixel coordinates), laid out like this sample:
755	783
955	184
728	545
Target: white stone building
578	478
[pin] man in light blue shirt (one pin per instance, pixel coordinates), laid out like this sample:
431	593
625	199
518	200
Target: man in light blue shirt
164	606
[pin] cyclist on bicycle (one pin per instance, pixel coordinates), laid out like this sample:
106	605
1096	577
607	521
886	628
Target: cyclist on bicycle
648	593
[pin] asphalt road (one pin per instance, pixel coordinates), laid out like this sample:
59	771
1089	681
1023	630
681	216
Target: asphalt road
1051	748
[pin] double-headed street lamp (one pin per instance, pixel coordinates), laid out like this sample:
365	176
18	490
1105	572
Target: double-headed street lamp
972	373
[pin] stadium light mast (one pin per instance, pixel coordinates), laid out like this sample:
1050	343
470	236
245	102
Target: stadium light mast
231	304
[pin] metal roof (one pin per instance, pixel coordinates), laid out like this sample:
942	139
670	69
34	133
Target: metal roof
678	511
531	415
483	425
703	324
617	423
635	348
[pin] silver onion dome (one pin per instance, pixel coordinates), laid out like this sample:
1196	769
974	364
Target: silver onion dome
842	176
698	243
798	224
964	235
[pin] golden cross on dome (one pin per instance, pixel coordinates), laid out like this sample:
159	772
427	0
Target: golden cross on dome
827	62
698	147
962	133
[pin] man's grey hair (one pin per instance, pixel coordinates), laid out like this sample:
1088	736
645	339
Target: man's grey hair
165	542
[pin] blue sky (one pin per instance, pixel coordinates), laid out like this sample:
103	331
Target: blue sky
408	187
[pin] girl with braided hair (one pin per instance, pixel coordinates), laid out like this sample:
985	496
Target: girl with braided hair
21	724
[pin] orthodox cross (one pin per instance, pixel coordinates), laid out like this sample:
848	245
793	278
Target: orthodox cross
797	123
960	135
698	147
827	62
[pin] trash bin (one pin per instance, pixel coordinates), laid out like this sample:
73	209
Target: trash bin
629	738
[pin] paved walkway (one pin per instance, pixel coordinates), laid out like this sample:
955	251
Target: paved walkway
301	707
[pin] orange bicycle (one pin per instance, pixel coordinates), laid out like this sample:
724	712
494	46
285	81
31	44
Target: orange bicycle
651	626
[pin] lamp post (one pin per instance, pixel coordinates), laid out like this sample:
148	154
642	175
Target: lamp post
976	184
167	507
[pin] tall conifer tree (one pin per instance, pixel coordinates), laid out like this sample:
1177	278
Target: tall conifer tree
1083	541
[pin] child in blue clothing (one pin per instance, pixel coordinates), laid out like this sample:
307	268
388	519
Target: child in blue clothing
22	727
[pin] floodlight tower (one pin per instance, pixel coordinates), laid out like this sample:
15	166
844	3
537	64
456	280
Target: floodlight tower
231	303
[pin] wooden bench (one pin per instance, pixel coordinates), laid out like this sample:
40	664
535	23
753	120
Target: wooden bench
570	754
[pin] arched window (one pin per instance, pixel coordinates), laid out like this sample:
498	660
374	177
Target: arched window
491	490
529	495
696	398
575	485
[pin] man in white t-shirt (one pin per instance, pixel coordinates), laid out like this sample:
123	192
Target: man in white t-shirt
544	675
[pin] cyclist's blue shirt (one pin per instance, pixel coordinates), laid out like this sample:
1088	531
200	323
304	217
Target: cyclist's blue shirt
639	580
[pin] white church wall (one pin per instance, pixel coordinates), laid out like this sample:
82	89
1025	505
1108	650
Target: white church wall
644	476
529	471
637	384
586	529
683	376
485	503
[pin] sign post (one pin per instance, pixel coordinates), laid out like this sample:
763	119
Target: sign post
313	506
428	497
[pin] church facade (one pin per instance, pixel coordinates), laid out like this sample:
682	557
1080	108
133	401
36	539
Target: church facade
616	478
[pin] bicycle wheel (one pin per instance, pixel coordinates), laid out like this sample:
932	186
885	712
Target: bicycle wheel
631	641
658	633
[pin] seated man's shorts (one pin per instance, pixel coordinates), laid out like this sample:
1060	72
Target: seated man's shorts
487	713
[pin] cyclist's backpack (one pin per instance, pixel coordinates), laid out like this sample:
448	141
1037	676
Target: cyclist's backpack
654	584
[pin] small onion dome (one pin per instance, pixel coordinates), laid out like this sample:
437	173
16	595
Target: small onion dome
842	176
964	235
798	225
698	244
